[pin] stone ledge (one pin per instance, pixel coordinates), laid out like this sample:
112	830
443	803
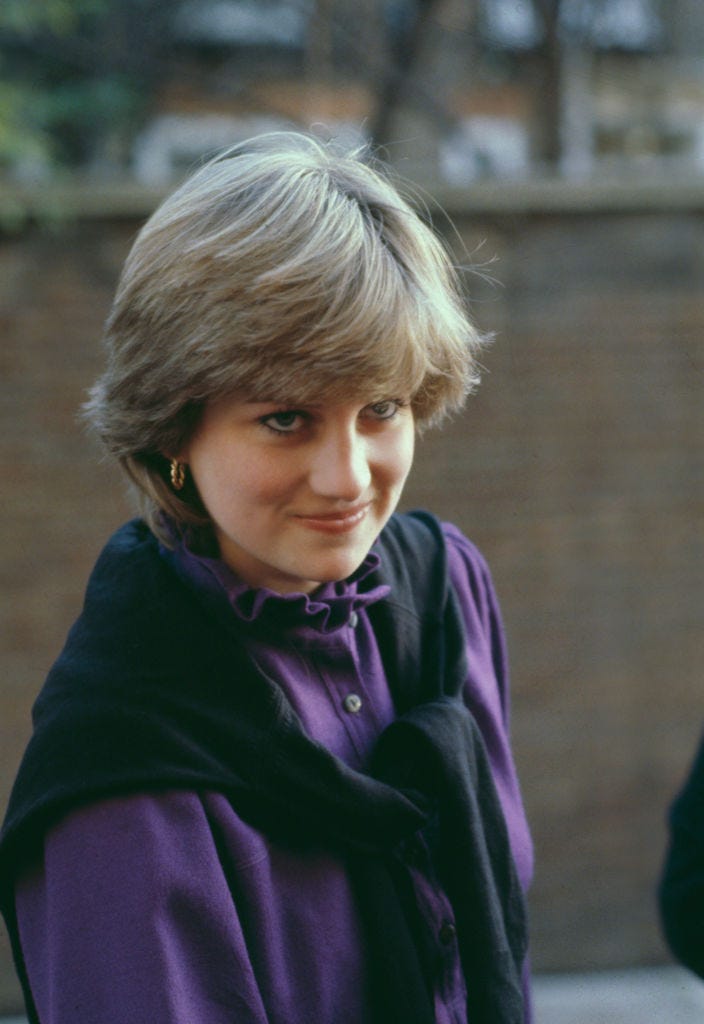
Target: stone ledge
558	196
74	199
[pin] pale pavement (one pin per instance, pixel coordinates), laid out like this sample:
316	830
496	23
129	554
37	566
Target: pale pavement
658	995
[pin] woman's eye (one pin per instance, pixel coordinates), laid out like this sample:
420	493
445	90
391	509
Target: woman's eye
286	422
385	410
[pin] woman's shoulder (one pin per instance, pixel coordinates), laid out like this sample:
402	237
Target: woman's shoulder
471	578
419	538
425	529
129	555
132	592
461	548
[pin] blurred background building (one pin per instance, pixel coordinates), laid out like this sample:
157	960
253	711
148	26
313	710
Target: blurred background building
459	90
564	143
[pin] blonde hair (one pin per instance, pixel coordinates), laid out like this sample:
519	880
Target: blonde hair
282	270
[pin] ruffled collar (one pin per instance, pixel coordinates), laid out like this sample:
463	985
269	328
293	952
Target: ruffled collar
326	610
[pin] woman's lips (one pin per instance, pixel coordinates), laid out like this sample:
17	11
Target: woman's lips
335	522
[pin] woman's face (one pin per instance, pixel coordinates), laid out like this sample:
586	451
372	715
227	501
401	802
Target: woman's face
297	494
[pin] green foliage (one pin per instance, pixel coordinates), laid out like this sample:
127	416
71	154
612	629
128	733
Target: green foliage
66	85
19	140
58	16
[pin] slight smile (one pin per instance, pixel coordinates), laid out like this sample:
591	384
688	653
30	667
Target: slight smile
335	522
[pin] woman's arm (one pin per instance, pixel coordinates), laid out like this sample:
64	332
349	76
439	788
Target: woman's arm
128	919
486	693
486	690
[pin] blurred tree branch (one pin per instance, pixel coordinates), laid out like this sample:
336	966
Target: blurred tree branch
548	94
404	51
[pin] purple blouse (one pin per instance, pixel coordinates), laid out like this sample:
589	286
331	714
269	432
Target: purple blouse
166	908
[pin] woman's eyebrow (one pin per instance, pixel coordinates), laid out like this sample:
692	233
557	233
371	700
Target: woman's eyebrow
288	403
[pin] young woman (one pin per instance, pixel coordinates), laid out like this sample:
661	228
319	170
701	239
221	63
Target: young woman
270	779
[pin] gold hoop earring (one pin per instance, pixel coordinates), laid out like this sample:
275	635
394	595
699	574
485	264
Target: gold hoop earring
177	474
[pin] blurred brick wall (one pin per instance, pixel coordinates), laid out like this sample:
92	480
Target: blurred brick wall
577	468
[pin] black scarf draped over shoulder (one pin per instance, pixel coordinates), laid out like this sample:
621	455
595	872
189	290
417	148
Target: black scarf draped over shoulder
152	691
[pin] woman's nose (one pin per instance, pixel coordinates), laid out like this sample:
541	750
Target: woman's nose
340	467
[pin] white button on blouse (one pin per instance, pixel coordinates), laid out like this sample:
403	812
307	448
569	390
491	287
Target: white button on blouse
352	703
